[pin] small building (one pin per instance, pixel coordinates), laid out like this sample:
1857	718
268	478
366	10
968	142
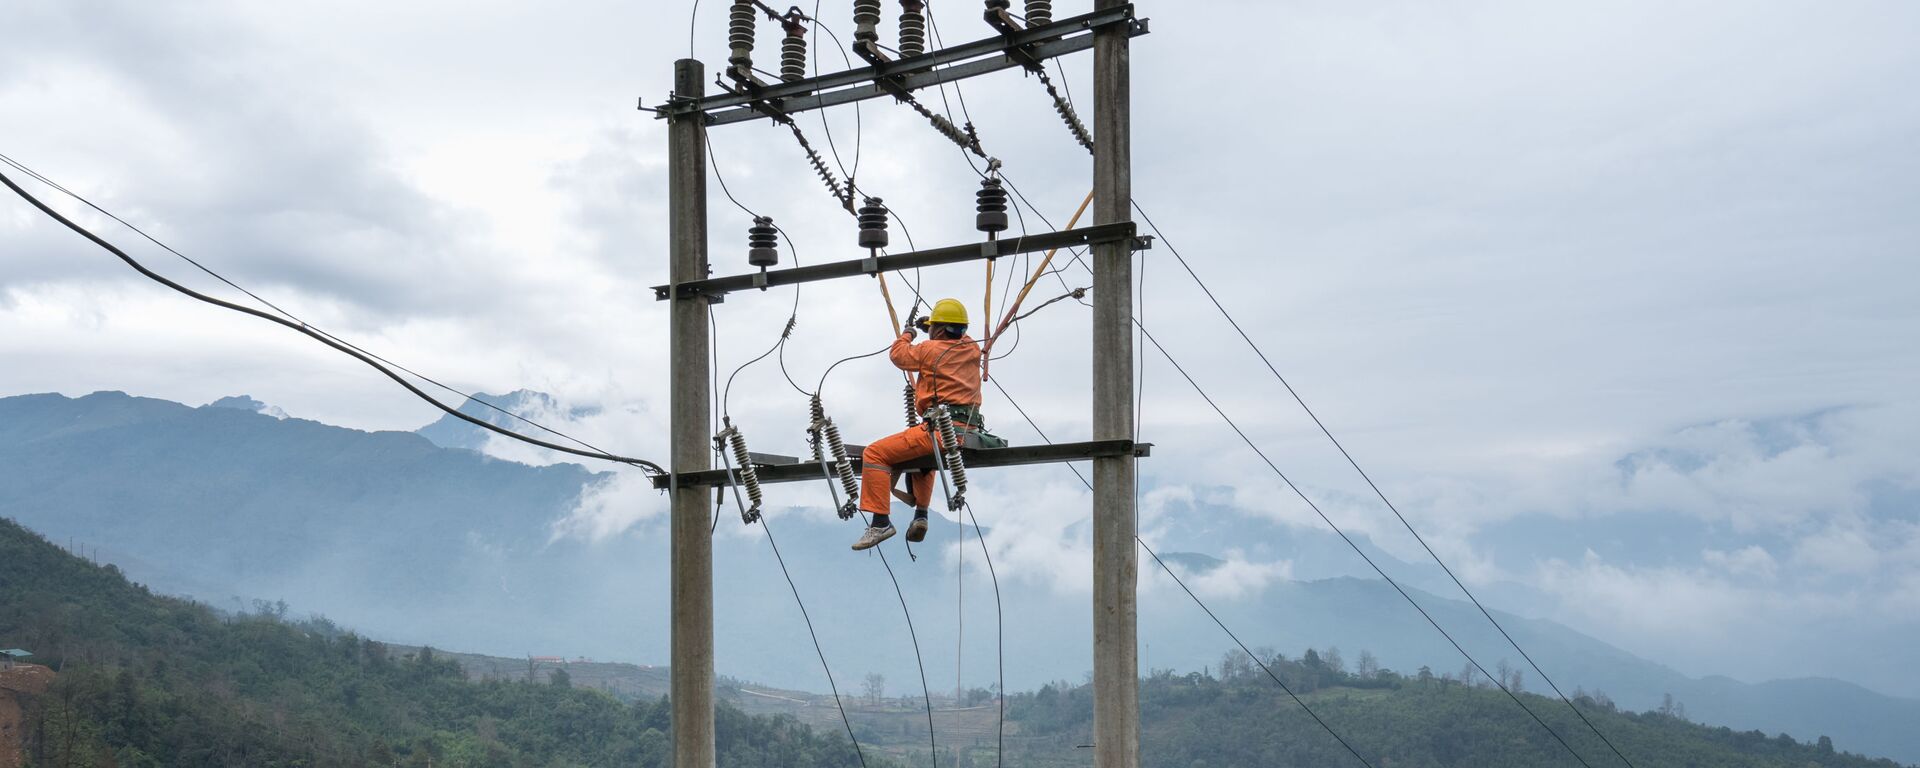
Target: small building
11	656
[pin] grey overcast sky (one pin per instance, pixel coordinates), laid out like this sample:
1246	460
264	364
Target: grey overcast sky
1616	299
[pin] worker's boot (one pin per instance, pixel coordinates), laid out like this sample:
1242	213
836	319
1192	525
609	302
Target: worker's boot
872	537
917	530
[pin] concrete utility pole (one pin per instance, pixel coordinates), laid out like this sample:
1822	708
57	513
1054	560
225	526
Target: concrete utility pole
1116	567
692	427
1113	238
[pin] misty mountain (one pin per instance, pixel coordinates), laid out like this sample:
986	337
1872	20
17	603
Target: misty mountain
247	403
397	536
450	432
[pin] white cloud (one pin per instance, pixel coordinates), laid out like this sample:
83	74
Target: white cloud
611	507
1838	550
1751	561
1037	534
1699	608
1496	260
1237	578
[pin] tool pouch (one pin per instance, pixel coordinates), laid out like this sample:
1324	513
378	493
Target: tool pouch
980	438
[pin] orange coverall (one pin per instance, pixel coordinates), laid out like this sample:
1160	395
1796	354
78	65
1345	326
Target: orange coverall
947	371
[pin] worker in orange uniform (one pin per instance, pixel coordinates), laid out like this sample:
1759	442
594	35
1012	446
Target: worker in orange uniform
946	369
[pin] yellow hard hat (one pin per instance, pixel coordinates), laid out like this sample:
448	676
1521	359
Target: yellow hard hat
949	311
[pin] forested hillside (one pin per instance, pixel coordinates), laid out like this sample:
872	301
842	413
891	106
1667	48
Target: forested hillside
147	680
1239	717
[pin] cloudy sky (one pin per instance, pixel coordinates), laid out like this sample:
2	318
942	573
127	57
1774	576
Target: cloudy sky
1615	300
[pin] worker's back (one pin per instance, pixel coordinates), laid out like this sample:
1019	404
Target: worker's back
948	370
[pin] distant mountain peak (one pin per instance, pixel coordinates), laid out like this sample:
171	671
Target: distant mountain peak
247	403
451	432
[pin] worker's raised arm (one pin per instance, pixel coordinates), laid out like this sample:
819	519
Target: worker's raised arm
904	354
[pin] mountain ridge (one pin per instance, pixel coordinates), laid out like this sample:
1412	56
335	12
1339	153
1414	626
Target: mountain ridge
391	533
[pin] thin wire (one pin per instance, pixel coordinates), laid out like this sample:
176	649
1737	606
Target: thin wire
1250	654
1000	639
693	19
934	23
1356	547
1343	535
726	393
713	163
858	130
1076	294
143	233
918	299
925	691
823	377
1183	586
999	614
766	525
1036	428
1075	252
1370	483
289	315
1017	336
714	413
844	720
1140	355
328	340
960	594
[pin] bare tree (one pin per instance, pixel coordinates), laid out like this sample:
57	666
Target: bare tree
1235	665
1334	661
1368	667
876	687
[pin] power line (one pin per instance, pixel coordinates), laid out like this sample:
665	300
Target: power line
913	635
858	129
1370	483
844	720
1000	639
324	338
1336	528
1356	547
289	315
1145	334
1250	654
1196	598
793	317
